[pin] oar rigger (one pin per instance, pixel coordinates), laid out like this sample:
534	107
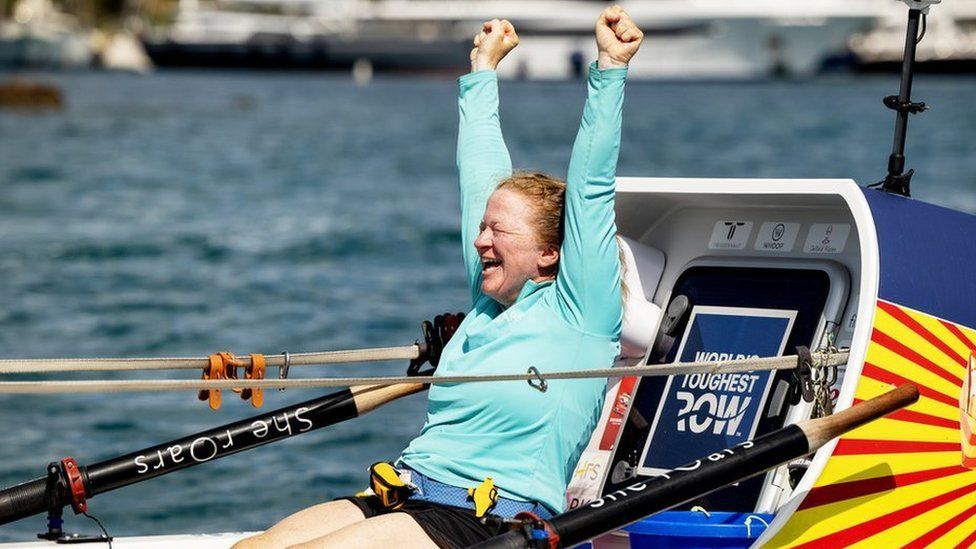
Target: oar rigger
436	335
538	533
67	484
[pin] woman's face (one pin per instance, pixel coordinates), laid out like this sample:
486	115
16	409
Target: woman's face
510	253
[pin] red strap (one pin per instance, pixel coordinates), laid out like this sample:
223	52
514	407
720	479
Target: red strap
76	485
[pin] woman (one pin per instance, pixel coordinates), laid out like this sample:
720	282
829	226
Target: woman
542	261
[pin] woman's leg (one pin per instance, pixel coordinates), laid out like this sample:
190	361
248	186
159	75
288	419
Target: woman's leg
394	530
307	524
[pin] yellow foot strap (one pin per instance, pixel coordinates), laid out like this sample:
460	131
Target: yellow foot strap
485	496
387	485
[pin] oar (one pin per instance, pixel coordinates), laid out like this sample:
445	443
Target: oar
695	479
32	497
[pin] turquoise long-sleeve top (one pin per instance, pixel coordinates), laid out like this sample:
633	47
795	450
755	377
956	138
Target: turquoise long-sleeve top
526	440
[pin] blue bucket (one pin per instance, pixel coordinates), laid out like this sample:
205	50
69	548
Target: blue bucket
695	529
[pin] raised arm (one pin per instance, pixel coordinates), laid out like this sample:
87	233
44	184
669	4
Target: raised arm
482	157
588	281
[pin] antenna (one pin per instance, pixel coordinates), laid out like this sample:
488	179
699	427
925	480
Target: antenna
898	181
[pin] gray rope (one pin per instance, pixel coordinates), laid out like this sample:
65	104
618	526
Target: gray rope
48	365
720	367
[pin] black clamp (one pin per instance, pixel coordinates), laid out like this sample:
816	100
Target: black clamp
53	494
536	533
436	335
67	485
802	377
899	183
539	534
910	107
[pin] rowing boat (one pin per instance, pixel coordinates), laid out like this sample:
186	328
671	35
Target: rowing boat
735	269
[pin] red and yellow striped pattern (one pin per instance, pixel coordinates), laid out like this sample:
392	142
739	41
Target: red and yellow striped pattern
967	414
899	481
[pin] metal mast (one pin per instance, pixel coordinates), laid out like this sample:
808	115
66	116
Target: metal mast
898	181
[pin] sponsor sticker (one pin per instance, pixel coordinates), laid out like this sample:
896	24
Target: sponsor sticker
827	238
777	236
702	413
584	486
621	405
730	235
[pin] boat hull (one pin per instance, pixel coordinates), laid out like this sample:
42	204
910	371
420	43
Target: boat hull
903	479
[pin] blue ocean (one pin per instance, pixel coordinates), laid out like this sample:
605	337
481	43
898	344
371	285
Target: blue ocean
185	213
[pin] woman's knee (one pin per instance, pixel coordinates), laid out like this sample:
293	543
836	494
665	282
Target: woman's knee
393	530
307	524
252	542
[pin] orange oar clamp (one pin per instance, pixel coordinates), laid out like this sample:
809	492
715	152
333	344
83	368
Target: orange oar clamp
255	370
230	367
222	366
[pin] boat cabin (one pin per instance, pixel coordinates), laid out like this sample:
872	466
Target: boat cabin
745	268
738	268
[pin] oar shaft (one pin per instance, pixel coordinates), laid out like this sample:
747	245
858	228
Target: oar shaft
28	498
222	441
697	478
623	507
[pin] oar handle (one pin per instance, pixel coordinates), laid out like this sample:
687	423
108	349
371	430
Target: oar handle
821	430
368	398
651	495
22	500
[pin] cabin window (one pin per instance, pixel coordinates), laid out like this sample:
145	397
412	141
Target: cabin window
753	311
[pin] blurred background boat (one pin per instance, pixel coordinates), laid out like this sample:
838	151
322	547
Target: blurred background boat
301	34
949	45
40	35
687	39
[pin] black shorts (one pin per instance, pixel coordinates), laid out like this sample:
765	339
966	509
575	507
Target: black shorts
448	527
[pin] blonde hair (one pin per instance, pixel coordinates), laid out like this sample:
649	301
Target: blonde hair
545	194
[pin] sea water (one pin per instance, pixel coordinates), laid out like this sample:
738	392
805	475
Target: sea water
186	213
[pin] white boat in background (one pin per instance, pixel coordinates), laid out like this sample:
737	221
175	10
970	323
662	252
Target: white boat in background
949	45
40	35
687	39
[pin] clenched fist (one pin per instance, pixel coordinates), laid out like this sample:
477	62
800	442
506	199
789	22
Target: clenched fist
496	39
617	38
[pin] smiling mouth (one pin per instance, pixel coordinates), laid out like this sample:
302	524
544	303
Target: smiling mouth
489	264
